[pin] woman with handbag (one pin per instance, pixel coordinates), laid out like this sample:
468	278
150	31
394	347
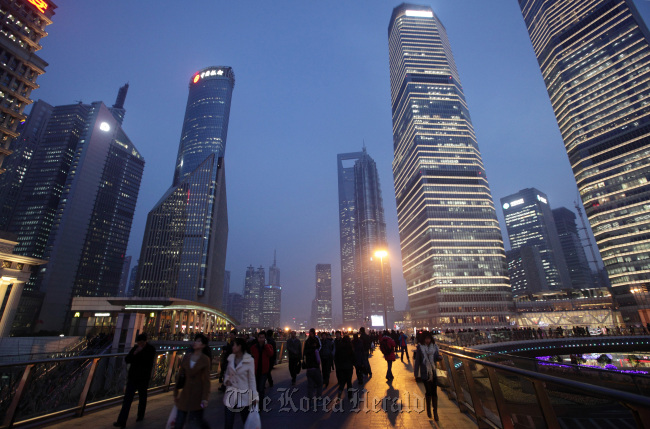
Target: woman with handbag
430	355
193	385
241	387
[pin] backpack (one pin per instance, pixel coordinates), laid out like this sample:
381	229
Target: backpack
383	346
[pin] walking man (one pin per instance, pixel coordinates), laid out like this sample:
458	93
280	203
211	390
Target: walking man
311	355
403	345
367	343
141	358
261	352
293	349
326	357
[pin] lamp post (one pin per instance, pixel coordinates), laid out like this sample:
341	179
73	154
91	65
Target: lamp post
381	254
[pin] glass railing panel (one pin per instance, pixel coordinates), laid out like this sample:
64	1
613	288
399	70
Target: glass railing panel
109	380
577	408
484	392
462	379
9	380
519	397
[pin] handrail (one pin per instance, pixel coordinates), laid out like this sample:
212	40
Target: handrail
619	395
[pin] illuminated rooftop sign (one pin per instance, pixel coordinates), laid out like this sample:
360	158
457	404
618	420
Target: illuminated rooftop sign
207	73
39	4
542	199
419	13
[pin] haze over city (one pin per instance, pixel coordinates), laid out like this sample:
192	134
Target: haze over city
311	82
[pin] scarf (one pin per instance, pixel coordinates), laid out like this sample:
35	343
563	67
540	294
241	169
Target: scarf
429	359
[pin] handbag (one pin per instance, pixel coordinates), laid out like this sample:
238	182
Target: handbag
253	419
171	421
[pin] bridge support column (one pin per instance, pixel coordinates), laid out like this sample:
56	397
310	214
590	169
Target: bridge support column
11	307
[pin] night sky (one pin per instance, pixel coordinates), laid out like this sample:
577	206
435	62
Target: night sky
311	82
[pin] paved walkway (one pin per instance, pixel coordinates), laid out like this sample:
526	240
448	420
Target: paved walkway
399	404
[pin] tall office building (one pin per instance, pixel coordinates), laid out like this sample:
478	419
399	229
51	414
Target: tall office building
574	252
453	259
526	271
22	26
132	278
75	207
362	232
253	289
274	272
184	246
594	58
271	306
236	306
530	222
323	296
124	278
226	290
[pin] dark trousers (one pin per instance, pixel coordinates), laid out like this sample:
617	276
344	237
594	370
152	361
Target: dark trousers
260	379
230	416
294	366
129	394
344	376
366	363
194	419
405	350
360	371
314	382
389	371
327	369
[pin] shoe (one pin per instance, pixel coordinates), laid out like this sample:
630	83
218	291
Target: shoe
119	425
435	414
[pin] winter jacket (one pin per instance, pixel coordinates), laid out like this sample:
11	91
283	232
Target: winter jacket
327	349
344	357
243	389
390	344
312	345
293	347
262	356
141	363
197	384
359	352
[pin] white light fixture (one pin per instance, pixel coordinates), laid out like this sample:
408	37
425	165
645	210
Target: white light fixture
419	13
104	126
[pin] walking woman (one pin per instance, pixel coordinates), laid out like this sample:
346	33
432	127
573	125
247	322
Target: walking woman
430	355
240	382
192	398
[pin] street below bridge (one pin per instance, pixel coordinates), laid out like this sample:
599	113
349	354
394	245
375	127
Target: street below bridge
399	404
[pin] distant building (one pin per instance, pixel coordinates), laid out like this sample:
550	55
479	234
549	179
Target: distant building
274	272
530	222
132	278
324	296
184	245
124	278
226	290
253	299
271	306
574	252
23	25
526	270
236	306
362	233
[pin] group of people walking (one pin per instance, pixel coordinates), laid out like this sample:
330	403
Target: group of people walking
246	369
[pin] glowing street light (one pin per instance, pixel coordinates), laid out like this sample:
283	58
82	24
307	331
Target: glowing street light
381	254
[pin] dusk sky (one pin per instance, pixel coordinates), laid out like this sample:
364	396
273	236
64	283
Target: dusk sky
312	81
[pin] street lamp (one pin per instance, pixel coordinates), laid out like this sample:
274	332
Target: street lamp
381	254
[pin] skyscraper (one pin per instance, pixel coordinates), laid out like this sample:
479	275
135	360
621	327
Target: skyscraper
124	278
530	222
184	246
22	25
271	306
452	250
323	296
593	55
253	289
574	252
362	232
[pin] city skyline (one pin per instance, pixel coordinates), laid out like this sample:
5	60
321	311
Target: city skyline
484	55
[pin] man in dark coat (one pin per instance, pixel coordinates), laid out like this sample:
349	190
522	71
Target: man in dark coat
262	353
141	358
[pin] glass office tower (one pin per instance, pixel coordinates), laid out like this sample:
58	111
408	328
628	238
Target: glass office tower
594	57
452	251
362	233
183	251
323	297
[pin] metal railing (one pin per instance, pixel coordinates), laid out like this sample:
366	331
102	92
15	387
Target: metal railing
38	390
506	397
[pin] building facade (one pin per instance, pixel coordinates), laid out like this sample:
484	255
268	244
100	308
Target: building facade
253	299
22	26
530	222
124	278
594	57
526	271
184	246
271	306
323	296
362	233
453	258
574	252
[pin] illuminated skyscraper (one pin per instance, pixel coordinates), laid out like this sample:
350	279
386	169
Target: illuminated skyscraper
452	251
362	232
253	290
594	56
184	247
22	26
323	299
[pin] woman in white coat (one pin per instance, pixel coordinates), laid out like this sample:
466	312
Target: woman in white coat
241	390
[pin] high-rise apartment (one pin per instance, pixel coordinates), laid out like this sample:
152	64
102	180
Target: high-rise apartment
22	26
453	258
323	296
184	246
594	58
530	222
362	233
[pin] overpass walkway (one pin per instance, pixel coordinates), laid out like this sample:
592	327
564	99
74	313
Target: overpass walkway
399	404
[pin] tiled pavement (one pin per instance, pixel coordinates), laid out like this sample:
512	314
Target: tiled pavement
399	404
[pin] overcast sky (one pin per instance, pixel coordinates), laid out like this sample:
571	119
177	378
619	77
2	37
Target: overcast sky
311	82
